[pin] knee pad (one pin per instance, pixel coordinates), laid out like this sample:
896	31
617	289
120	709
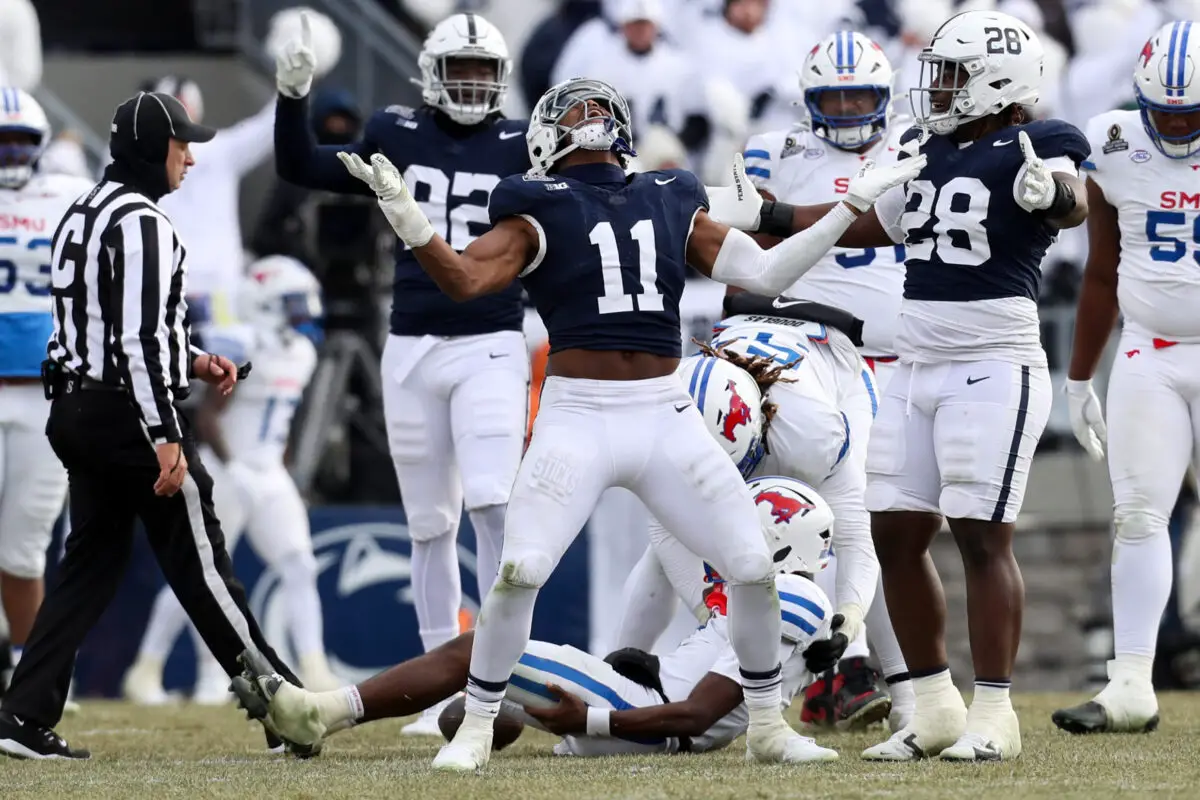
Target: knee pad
427	525
748	568
525	571
1138	525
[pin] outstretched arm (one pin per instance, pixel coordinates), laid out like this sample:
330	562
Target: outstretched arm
712	698
732	257
490	263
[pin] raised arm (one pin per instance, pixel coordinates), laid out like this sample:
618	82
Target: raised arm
512	247
727	255
298	157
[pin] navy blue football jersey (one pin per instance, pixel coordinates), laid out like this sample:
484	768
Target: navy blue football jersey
966	237
451	171
613	260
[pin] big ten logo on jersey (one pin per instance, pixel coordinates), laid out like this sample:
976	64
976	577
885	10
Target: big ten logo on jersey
25	255
947	224
455	203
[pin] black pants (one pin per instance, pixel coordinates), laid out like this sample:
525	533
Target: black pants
112	467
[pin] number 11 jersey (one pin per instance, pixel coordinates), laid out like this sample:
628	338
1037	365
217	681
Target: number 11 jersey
973	253
612	253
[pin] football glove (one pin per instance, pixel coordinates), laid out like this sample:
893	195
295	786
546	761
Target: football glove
296	64
1087	420
824	654
872	182
737	205
1035	189
396	201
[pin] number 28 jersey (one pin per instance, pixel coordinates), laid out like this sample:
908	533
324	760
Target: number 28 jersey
611	261
973	254
1158	211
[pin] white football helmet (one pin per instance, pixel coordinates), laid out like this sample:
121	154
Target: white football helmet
279	293
549	140
464	36
797	522
731	403
21	114
846	61
978	63
1164	81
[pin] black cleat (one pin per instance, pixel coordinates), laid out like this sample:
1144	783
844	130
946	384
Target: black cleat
1091	717
859	702
22	738
254	698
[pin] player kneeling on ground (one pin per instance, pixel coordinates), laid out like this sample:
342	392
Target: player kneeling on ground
603	707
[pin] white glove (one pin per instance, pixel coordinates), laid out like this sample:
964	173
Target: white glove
872	182
296	63
852	624
1035	189
738	205
1087	421
406	217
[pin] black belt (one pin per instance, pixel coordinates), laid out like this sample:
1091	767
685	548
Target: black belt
83	382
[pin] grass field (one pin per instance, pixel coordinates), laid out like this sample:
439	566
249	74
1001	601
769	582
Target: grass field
205	752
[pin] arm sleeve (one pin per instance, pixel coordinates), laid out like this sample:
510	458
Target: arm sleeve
146	242
857	565
889	208
243	146
300	160
741	262
22	46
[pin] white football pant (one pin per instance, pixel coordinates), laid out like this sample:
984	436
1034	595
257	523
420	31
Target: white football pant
33	482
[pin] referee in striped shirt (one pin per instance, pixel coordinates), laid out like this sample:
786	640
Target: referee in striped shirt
119	361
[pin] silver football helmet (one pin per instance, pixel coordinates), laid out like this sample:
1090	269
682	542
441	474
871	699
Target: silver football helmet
549	139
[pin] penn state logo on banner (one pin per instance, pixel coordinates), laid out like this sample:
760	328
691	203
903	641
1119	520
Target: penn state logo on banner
364	576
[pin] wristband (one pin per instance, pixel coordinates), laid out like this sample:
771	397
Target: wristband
1064	200
775	219
598	721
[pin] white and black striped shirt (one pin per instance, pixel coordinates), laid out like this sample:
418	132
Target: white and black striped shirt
118	282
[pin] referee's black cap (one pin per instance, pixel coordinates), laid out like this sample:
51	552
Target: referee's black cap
145	122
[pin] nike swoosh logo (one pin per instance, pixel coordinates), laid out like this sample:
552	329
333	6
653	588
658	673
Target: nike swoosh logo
973	381
778	304
509	134
683	407
663	183
1002	142
497	355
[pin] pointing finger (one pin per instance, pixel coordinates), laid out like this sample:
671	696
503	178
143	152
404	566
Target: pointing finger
305	30
1027	149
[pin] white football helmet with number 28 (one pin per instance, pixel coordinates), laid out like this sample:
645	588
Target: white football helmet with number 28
978	63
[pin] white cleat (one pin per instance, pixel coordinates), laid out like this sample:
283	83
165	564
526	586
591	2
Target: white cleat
776	743
992	734
427	723
469	750
924	737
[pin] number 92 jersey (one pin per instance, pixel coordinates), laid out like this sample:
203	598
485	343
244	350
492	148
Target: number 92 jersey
611	261
973	254
28	219
1158	211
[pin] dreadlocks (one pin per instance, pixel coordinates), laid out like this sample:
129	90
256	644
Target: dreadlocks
766	372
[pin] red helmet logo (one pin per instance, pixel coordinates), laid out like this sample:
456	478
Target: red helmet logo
1147	52
783	507
738	413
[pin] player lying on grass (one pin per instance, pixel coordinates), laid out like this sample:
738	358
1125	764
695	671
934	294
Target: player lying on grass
597	709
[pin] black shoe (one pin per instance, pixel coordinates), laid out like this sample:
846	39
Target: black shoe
1090	717
20	738
860	703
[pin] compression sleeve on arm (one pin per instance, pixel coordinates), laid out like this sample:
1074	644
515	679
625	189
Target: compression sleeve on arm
741	262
